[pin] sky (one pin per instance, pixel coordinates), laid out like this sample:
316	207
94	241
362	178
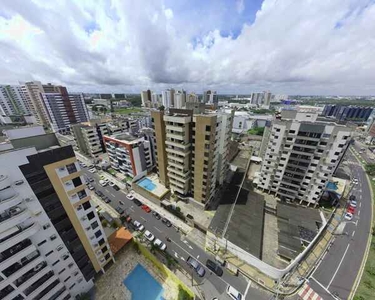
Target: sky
232	46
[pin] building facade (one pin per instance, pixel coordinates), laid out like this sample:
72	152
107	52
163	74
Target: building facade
13	101
168	98
210	97
179	99
191	151
64	110
51	240
146	98
89	137
300	154
348	113
130	155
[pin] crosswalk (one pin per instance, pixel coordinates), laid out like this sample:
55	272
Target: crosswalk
307	293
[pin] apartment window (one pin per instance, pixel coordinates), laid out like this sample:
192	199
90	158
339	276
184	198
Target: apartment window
71	168
313	165
41	243
72	286
70	265
94	225
345	137
61	270
49	253
55	263
53	237
65	256
341	145
320	151
86	205
310	171
98	233
333	160
67	279
281	165
208	128
46	226
283	158
101	242
59	247
316	157
207	138
323	143
82	194
292	131
277	129
308	177
337	153
107	256
90	215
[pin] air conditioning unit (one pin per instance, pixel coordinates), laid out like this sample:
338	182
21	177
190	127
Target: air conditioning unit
62	169
84	218
28	199
92	237
19	182
96	245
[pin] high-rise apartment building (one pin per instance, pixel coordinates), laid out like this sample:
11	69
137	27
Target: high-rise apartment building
51	240
129	154
146	98
266	99
192	98
348	113
300	154
179	99
13	101
65	109
168	98
89	137
210	97
191	151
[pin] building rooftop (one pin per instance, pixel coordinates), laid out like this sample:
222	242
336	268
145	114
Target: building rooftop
125	137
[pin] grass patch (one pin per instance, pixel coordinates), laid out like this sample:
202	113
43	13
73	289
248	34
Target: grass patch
256	131
126	111
112	172
366	288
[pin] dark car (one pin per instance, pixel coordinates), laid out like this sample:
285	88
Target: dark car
156	215
166	222
120	210
106	199
214	267
90	179
137	202
352	197
193	263
116	187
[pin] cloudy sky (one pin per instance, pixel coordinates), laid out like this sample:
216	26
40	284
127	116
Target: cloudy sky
286	46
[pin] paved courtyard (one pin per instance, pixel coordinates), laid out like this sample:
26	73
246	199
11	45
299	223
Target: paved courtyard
110	285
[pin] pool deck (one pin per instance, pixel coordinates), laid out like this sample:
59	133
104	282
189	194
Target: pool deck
160	190
110	285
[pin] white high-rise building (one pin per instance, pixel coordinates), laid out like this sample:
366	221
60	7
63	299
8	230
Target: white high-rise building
13	101
179	99
300	154
51	239
168	98
146	98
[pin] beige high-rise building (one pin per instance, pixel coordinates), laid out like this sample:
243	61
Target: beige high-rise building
191	151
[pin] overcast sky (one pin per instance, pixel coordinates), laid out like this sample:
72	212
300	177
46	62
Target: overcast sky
286	46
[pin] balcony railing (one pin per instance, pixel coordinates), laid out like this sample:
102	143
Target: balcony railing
14	250
14	211
38	283
25	277
20	264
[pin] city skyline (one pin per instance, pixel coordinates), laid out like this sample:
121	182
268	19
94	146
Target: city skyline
233	47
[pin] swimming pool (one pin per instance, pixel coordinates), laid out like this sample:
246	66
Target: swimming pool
147	184
142	285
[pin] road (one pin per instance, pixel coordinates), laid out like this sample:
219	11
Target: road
181	248
337	272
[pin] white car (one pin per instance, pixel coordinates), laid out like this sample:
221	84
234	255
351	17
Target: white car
355	180
111	184
92	170
90	187
160	244
149	236
102	182
130	197
83	165
353	203
138	226
233	293
348	216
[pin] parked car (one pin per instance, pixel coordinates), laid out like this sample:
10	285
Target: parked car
348	216
193	263
160	244
99	193
146	208
351	210
166	222
355	181
156	215
137	202
119	210
130	196
83	165
90	187
102	182
90	179
116	187
121	203
91	167
149	235
214	267
92	170
233	293
353	203
352	197
111	183
138	226
106	199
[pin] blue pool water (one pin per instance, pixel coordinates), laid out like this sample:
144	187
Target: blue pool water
147	184
142	285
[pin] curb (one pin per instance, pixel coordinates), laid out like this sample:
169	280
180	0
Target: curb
365	257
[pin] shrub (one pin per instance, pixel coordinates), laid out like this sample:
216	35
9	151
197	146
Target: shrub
104	223
183	294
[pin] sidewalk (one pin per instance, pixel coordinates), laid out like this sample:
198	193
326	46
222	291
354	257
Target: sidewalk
174	220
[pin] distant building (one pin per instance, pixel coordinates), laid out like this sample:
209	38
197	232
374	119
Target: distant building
192	98
168	98
129	154
348	113
65	109
146	98
13	101
210	97
179	99
300	155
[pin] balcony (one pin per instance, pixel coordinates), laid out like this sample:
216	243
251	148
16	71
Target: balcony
30	277
23	249
13	217
18	235
56	287
21	263
38	283
44	288
7	193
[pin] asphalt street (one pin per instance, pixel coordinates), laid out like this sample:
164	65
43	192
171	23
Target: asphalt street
335	276
181	248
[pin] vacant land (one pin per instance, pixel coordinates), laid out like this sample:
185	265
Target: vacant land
126	111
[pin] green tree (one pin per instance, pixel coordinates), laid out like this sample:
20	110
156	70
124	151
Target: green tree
256	131
161	107
83	296
183	294
370	169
